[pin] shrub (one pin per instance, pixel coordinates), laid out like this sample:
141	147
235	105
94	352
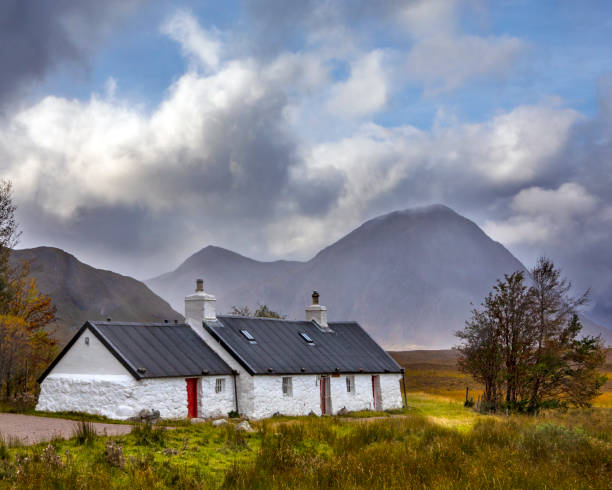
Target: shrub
84	432
145	434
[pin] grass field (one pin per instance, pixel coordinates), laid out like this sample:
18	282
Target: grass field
435	372
435	443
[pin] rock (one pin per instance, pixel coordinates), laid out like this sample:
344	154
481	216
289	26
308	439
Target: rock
219	422
197	420
244	426
113	455
151	416
312	414
170	451
343	411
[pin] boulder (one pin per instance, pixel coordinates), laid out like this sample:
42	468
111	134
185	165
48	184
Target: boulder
219	422
197	420
151	416
244	426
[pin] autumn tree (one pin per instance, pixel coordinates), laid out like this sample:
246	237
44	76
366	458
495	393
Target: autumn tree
26	346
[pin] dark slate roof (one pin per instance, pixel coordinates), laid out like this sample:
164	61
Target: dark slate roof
153	350
279	348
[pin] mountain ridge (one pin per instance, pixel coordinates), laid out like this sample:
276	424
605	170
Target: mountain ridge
81	292
410	277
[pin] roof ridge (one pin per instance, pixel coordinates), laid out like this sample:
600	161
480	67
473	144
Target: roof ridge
262	318
138	324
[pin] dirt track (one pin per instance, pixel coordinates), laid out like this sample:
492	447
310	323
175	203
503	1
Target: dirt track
31	430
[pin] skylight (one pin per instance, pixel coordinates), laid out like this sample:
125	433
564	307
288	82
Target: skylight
306	337
248	336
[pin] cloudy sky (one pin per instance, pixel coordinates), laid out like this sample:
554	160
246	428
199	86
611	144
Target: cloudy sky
136	133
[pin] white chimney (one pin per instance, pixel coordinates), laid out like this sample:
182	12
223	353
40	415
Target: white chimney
317	312
200	306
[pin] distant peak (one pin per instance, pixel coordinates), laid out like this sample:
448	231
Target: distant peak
431	209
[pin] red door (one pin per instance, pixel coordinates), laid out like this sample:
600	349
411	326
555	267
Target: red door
192	397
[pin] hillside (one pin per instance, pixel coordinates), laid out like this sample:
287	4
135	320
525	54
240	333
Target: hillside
81	292
410	277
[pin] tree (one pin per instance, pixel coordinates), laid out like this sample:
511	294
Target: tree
9	237
26	346
525	340
480	355
262	311
555	326
495	340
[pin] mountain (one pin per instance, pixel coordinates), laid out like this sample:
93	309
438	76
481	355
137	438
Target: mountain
81	292
223	271
409	277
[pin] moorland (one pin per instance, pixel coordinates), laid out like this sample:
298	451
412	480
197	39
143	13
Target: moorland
435	442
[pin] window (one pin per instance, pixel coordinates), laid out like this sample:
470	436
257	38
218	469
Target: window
307	338
219	385
287	386
247	335
350	384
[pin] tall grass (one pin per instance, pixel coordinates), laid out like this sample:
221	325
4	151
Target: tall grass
558	450
146	434
84	432
415	453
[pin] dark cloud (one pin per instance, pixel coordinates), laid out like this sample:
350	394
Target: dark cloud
37	36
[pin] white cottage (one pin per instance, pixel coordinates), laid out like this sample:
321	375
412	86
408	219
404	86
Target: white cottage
211	365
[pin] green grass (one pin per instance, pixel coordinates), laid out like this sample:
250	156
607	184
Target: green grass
435	444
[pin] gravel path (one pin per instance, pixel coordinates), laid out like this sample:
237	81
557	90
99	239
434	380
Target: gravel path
31	430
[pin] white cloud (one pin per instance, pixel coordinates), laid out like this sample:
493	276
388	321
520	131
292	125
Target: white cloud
569	200
442	58
378	163
365	91
546	216
445	62
197	43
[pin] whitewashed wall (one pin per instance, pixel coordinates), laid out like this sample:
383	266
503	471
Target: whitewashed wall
121	397
391	392
92	358
359	399
211	404
268	395
114	396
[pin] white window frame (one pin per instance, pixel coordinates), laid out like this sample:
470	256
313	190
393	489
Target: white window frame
219	385
350	384
287	382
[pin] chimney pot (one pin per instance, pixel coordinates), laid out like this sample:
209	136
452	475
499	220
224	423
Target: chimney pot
200	306
317	312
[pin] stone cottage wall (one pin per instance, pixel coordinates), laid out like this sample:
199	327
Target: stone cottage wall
121	397
268	397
